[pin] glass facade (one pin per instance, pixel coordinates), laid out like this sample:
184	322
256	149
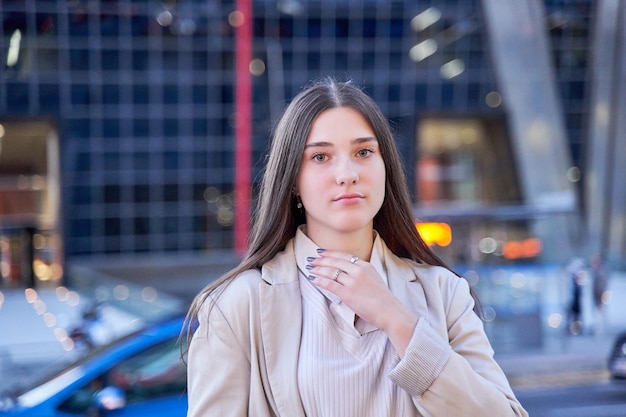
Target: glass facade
143	95
570	24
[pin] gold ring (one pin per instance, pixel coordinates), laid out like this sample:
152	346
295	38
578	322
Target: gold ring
336	275
354	259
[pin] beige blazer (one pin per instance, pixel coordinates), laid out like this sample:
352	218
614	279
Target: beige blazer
243	357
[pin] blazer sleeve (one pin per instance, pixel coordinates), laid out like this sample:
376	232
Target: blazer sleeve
218	373
458	376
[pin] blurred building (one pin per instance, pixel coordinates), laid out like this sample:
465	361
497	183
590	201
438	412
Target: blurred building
118	138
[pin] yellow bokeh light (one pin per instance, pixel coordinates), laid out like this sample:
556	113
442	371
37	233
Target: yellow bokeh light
435	233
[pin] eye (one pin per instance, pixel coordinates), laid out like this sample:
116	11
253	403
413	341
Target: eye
364	153
320	157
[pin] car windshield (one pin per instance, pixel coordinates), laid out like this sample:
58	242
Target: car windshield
30	378
68	368
62	366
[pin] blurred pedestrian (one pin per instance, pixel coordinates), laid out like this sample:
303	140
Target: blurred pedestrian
600	282
339	308
576	270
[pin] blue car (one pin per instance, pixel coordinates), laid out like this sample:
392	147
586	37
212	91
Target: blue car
139	375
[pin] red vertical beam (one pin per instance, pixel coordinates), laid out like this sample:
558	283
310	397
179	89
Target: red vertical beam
243	123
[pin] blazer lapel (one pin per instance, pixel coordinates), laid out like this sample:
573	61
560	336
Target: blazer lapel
405	284
281	326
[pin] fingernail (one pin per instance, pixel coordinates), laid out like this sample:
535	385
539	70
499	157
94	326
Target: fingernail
310	259
320	250
310	267
311	277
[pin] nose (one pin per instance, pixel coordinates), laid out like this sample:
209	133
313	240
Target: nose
347	172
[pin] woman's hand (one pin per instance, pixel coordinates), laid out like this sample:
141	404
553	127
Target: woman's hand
361	288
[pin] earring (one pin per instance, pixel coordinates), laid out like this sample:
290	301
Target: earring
299	202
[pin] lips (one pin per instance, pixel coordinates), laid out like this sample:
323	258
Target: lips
349	198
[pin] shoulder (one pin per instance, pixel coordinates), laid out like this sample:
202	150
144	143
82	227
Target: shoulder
230	299
241	290
448	295
231	306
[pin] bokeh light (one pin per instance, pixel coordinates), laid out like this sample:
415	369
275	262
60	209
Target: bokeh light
121	292
149	294
555	320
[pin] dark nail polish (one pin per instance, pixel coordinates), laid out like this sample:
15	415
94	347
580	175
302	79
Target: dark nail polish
310	267
311	277
310	259
320	250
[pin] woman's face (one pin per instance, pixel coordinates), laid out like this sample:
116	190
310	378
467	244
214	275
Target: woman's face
342	176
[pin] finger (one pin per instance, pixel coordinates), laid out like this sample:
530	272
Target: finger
327	272
343	263
342	255
336	287
338	255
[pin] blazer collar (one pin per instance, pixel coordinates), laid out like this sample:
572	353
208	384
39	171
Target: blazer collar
281	269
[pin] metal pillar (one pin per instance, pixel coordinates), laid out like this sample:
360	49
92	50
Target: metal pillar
605	190
520	49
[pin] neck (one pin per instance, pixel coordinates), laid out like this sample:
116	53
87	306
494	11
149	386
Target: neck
359	242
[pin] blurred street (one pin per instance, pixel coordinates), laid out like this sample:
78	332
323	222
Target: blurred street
598	399
564	358
34	325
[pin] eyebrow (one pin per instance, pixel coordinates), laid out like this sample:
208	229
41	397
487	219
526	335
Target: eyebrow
353	141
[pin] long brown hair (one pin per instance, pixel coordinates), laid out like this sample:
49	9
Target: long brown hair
276	217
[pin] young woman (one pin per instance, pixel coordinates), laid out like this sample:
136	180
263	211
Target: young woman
339	308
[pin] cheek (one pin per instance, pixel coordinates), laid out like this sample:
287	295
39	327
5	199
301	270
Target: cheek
380	187
312	193
381	194
309	186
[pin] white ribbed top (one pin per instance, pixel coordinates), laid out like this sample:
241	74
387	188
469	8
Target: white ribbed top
343	368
